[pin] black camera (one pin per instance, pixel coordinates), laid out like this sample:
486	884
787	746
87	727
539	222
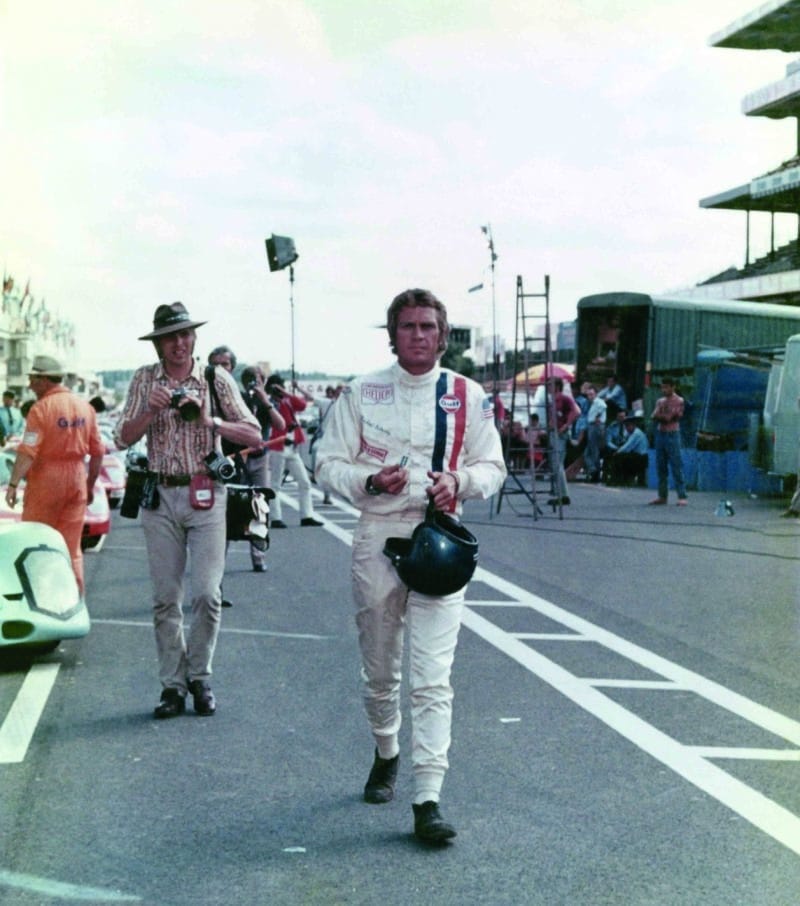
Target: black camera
251	385
189	411
219	467
134	487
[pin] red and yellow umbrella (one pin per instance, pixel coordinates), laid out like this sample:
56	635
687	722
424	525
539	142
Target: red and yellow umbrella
538	374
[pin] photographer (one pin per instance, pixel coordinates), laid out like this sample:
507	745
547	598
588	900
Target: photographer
284	453
254	460
183	505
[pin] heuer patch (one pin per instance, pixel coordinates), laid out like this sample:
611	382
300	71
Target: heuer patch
377	394
374	452
449	403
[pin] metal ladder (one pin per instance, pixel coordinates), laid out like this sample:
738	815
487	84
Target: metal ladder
546	470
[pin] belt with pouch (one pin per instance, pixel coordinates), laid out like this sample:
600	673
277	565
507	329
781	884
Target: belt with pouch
171	481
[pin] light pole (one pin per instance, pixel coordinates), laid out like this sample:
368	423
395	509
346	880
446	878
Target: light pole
487	231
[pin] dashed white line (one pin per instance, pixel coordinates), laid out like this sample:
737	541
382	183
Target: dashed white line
768	816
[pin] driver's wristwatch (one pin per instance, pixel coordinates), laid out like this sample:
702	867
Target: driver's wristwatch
371	489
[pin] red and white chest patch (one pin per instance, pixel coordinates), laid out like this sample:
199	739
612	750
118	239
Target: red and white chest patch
377	394
374	452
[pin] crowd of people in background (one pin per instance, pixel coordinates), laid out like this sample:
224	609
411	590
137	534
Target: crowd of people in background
598	438
605	440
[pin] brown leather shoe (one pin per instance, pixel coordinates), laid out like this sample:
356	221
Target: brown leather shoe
204	702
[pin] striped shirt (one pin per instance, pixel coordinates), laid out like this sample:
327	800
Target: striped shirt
176	447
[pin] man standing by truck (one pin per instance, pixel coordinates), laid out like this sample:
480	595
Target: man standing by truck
667	415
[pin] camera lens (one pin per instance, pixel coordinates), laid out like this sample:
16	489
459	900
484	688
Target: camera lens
226	470
189	411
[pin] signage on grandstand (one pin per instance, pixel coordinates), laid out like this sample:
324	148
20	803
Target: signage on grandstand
785	90
775	182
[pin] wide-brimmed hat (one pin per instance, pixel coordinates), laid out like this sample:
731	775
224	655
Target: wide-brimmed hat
634	417
46	366
170	318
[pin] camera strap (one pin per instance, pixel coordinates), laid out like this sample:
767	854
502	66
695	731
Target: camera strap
214	403
216	407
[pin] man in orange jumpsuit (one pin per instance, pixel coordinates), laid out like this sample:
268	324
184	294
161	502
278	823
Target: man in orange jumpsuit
61	429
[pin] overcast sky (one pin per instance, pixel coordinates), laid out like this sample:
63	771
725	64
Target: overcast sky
149	148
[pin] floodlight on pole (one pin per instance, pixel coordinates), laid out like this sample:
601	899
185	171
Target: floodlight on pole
281	253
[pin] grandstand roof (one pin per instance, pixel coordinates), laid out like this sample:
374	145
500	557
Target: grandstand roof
776	192
775	24
778	99
738	199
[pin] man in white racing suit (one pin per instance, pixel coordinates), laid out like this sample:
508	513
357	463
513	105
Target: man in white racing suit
397	438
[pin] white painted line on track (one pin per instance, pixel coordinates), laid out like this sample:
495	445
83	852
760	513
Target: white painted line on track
747	754
775	820
230	631
737	704
60	889
635	684
20	723
550	636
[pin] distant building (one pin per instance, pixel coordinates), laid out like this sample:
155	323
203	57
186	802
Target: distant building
774	277
28	327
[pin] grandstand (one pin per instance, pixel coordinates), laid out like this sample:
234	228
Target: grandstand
774	277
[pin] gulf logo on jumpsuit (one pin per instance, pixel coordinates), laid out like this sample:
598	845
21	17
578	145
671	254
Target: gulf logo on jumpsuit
450	404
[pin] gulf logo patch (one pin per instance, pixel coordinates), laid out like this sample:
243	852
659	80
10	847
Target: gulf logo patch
449	403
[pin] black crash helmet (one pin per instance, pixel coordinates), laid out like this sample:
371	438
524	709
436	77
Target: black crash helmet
438	559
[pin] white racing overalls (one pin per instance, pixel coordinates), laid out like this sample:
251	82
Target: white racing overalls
441	422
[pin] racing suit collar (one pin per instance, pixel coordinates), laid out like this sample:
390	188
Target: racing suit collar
416	380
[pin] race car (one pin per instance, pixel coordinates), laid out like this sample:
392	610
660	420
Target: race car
97	521
112	478
40	604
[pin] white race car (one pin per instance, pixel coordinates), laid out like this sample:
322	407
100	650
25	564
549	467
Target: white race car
40	603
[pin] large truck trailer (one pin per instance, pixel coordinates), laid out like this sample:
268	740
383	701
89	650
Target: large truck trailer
643	338
782	411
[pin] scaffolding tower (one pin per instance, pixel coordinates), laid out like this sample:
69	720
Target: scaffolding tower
541	448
